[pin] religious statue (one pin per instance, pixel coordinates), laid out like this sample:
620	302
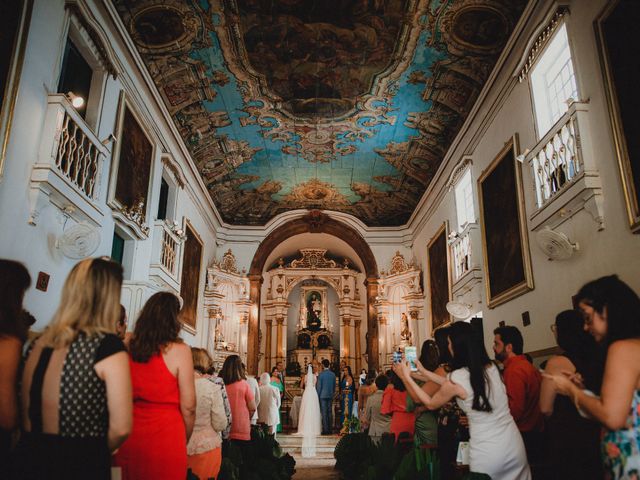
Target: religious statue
218	333
405	333
314	310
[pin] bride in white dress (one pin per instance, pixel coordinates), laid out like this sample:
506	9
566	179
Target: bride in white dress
309	420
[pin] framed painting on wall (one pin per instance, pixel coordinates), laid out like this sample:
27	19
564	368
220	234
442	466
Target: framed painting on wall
619	45
190	277
439	277
15	16
505	244
131	172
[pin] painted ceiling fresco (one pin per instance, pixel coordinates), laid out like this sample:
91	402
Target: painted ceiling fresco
346	105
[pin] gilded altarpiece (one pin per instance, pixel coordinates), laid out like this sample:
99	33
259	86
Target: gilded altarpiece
226	302
400	308
316	274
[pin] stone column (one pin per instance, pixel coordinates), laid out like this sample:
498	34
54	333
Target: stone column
358	354
384	337
267	346
347	340
372	322
279	345
253	346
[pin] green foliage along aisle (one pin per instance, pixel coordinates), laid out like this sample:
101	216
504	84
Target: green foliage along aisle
260	459
358	458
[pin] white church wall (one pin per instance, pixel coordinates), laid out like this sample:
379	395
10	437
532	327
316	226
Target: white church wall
505	112
35	244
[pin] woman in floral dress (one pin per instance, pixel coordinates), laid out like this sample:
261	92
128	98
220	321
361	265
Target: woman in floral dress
611	313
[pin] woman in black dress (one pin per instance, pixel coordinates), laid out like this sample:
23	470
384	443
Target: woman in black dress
76	385
573	442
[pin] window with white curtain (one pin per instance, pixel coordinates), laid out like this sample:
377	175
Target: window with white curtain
463	191
553	82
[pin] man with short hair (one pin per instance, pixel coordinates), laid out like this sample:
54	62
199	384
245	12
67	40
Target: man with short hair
522	381
326	386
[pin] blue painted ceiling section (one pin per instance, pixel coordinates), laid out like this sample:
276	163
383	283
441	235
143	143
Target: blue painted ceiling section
336	104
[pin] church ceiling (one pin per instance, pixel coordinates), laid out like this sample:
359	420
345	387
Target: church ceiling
346	105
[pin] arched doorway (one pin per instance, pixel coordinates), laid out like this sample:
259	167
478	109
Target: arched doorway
314	222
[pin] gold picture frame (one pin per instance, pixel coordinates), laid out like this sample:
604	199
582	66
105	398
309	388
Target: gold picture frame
131	168
439	262
620	101
505	241
12	63
192	254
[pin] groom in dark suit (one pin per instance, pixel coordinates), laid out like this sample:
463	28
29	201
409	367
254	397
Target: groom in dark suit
326	387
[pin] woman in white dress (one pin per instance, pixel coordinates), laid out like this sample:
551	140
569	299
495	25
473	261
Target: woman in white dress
309	420
496	447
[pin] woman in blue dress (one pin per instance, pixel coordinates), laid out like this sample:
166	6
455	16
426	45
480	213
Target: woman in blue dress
347	390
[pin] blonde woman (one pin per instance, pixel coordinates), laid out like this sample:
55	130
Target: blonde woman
204	452
76	386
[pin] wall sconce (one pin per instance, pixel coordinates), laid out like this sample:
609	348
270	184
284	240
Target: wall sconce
76	100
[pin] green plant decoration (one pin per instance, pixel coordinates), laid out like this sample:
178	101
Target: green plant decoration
260	459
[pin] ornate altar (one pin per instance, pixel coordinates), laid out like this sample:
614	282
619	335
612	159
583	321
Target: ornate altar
314	336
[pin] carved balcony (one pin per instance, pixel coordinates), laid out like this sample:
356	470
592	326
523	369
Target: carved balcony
564	171
168	238
69	164
466	252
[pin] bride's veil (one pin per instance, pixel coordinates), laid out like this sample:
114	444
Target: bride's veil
310	421
308	382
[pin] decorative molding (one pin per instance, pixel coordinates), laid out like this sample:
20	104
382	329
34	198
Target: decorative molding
458	171
95	39
313	258
398	264
136	215
537	45
228	263
174	169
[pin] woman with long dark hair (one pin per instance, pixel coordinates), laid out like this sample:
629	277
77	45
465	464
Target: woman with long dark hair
426	423
496	447
611	313
347	393
394	404
14	281
164	394
572	441
452	422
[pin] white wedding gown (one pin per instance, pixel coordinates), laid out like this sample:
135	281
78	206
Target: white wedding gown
309	420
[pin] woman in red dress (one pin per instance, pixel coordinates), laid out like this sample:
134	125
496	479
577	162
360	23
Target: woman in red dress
394	403
164	401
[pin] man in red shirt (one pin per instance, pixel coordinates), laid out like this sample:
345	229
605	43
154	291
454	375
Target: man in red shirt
522	381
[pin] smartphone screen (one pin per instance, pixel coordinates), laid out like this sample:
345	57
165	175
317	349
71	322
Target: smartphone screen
410	355
397	357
